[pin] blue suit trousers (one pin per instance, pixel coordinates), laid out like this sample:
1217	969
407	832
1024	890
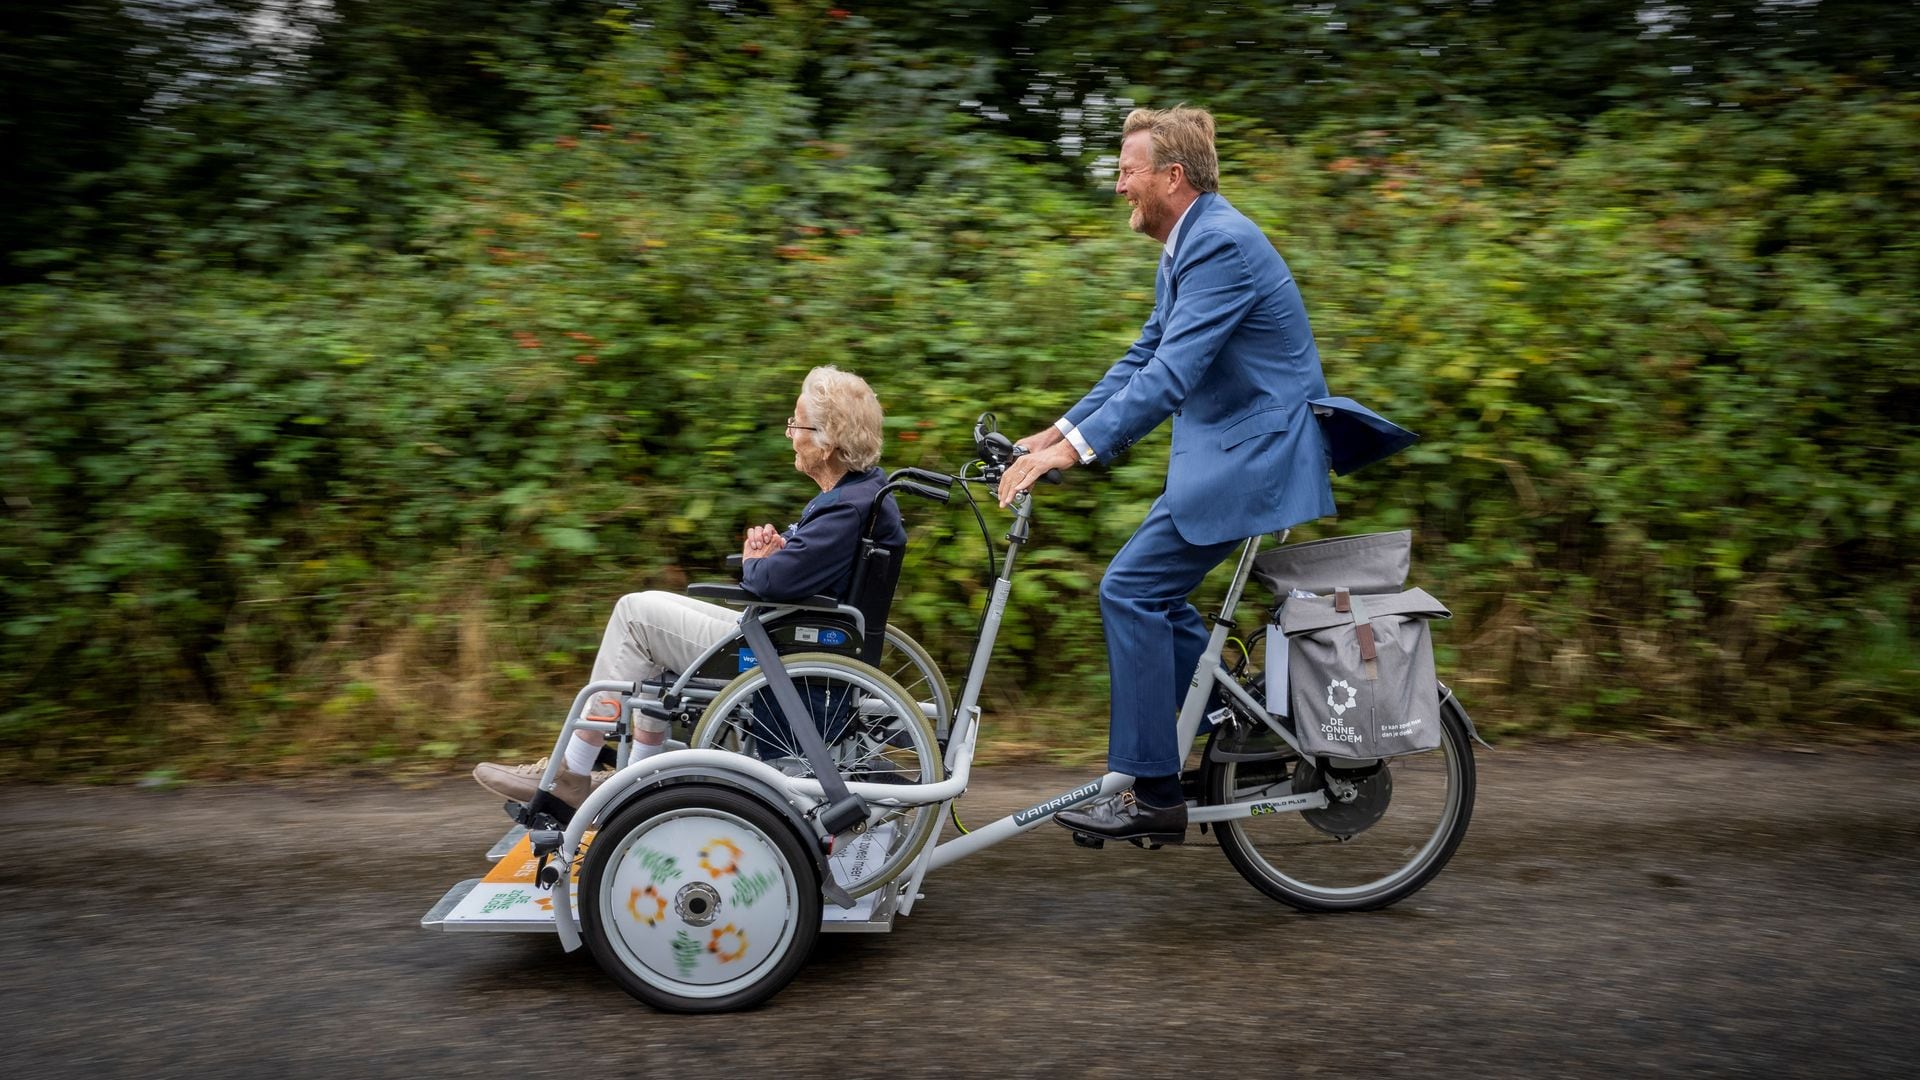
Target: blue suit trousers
1154	640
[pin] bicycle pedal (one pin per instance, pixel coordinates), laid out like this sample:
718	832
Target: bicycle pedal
1081	839
1144	844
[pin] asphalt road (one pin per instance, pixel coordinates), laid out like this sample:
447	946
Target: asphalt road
1613	912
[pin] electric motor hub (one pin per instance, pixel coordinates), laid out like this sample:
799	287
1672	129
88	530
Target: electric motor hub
1356	798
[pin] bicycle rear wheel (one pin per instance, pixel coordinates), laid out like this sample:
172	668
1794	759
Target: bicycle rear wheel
1402	821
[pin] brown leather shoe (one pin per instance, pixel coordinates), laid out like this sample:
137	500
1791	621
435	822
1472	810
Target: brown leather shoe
1123	817
518	783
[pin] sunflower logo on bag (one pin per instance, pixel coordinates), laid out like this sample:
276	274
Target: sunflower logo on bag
1340	707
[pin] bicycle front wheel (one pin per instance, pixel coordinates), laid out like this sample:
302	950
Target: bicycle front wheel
1399	823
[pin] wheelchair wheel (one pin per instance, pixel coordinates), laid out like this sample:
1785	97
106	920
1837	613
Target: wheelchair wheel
910	665
700	898
875	731
1397	828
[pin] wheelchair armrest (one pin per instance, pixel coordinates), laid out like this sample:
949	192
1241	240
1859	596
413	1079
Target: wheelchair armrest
738	596
725	592
736	562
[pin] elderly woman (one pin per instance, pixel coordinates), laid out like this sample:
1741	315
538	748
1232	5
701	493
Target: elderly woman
835	431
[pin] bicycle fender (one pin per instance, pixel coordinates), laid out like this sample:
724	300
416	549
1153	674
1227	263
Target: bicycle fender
694	774
1448	700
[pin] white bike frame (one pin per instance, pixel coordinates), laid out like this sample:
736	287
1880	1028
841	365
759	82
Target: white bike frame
1208	674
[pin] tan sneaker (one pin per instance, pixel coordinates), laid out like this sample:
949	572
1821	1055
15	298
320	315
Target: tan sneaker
519	782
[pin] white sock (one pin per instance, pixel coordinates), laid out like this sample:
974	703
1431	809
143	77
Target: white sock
649	737
581	755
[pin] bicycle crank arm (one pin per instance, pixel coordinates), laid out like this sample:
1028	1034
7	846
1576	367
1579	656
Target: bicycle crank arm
1285	804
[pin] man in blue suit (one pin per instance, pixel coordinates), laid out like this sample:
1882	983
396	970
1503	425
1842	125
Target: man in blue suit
1228	354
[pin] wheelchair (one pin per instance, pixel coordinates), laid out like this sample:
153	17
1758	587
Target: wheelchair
878	699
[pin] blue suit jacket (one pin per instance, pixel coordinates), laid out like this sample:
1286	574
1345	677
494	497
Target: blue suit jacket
1228	354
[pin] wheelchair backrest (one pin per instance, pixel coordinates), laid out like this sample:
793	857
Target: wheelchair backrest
875	576
876	568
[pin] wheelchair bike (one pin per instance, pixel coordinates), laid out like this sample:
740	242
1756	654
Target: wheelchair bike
805	790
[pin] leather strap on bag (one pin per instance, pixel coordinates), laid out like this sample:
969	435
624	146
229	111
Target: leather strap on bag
1345	603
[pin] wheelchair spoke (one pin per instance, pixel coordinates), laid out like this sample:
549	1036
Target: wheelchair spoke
910	665
875	732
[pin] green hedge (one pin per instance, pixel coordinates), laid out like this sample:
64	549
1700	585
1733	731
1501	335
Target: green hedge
317	479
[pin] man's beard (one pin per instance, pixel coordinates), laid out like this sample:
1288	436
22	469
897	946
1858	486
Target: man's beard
1141	220
1145	217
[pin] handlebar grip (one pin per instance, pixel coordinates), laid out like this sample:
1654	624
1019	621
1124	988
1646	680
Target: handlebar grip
1051	476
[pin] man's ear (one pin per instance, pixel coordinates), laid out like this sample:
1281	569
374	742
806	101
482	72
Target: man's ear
1176	175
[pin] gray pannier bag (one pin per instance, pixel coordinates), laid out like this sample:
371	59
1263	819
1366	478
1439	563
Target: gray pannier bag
1360	682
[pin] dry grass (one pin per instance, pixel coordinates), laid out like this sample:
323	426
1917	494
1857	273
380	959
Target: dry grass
428	675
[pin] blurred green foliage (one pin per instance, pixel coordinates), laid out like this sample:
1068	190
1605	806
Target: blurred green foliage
340	399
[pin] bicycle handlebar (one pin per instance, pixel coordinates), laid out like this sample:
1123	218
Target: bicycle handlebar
1051	476
997	451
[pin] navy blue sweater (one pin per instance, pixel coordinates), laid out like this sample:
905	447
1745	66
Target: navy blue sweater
821	546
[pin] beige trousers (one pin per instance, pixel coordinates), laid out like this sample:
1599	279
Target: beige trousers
655	632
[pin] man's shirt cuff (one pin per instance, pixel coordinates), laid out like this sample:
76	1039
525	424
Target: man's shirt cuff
1079	442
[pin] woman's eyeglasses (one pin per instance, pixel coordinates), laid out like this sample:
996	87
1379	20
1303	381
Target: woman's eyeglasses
794	424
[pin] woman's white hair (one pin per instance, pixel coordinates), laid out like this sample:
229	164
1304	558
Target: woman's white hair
846	412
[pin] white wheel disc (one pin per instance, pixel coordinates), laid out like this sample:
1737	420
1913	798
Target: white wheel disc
699	902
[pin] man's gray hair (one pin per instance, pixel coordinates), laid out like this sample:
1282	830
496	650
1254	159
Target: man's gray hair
1181	136
844	408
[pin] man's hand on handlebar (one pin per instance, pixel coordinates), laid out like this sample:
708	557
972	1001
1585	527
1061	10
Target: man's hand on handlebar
1025	469
1040	440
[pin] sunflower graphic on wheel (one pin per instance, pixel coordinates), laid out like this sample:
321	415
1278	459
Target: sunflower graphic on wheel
1340	707
737	947
639	900
720	848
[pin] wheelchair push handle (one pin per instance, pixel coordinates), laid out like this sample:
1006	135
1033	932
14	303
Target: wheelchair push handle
922	482
938	495
925	476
